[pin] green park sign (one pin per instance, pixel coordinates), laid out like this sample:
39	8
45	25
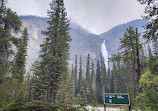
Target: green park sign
116	99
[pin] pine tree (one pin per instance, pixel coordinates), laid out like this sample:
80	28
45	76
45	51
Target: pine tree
131	46
19	66
39	84
92	90
114	87
53	65
103	74
20	59
28	87
151	30
75	76
72	72
88	71
108	80
80	79
117	72
72	80
87	80
98	89
151	16
9	24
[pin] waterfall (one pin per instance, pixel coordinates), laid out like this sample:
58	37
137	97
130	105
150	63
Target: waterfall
104	53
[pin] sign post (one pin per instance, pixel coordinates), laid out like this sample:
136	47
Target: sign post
116	99
104	107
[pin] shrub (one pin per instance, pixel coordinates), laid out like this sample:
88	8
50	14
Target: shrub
148	99
40	106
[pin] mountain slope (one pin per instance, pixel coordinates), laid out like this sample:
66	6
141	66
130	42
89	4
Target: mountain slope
83	42
112	37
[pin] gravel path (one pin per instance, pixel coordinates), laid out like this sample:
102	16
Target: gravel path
102	109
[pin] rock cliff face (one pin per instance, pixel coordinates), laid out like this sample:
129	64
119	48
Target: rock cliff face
34	25
83	42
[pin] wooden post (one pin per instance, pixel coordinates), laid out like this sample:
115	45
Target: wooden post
104	107
130	108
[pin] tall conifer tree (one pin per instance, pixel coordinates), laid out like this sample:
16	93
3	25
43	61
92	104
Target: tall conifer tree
9	24
87	80
151	32
103	74
54	53
19	65
93	76
98	87
131	47
88	71
20	60
80	79
75	76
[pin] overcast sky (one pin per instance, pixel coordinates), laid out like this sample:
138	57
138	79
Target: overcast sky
97	16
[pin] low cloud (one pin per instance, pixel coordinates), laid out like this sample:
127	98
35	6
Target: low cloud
96	16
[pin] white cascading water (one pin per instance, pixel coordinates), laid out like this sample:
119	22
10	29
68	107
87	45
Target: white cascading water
104	53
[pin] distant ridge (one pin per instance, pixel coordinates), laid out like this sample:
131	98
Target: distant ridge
112	37
139	23
22	17
83	41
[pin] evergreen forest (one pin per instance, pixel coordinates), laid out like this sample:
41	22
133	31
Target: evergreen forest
53	84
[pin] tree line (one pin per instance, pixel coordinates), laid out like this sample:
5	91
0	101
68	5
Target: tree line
90	82
121	76
132	70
